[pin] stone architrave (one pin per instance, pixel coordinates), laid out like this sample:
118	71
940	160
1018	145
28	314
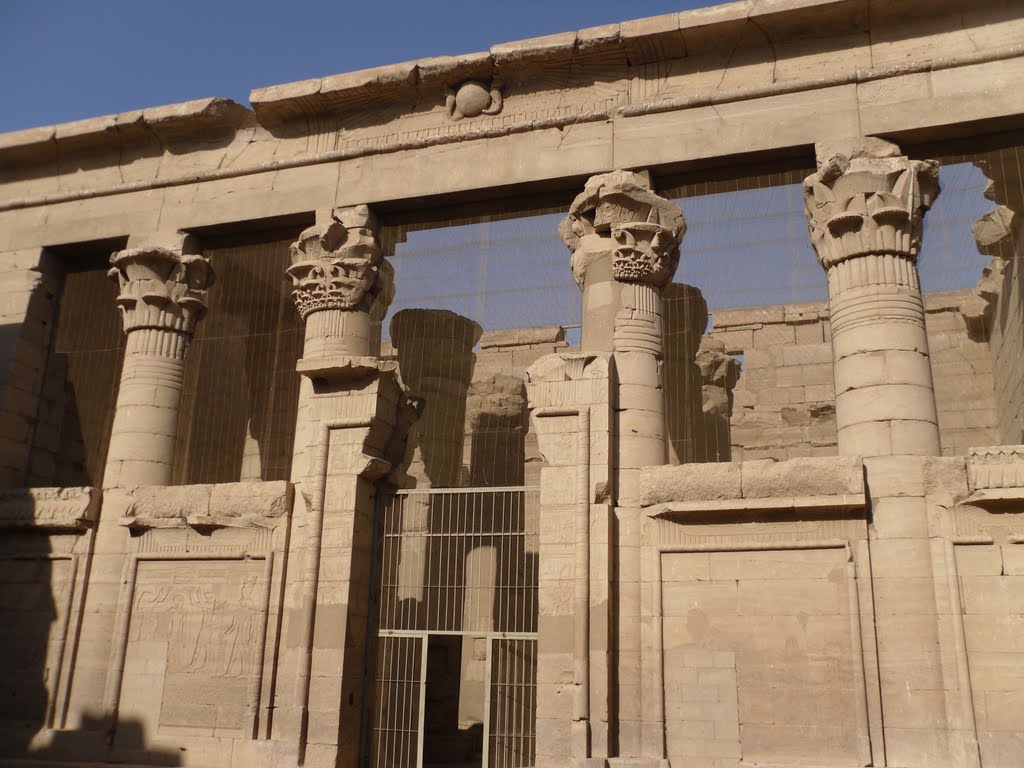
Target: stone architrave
162	294
624	240
865	210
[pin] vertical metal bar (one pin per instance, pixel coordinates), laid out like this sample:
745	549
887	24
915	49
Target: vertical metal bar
487	703
425	643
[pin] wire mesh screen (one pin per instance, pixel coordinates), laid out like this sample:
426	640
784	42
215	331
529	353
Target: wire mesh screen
746	240
398	685
512	737
83	371
241	391
506	269
459	561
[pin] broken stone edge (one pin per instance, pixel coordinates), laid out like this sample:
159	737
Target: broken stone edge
49	509
203	507
833	483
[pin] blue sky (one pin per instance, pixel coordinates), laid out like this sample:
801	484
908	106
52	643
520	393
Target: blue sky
69	59
742	249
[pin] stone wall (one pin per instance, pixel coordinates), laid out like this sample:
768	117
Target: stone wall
763	604
1007	341
784	401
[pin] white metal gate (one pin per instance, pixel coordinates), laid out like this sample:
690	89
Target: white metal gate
456	564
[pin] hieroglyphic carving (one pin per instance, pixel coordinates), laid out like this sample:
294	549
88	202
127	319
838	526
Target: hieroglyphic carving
338	265
227	505
192	647
48	508
618	212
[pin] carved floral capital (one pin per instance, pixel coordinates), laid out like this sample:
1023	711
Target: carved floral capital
619	213
870	204
161	288
338	265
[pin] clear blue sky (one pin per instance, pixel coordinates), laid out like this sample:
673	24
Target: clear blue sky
64	60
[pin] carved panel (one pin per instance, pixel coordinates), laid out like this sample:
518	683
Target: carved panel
204	507
48	508
192	654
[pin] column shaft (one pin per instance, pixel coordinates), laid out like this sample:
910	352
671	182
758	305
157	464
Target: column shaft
624	240
865	207
161	300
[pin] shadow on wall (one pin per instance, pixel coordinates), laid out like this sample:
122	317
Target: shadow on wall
38	636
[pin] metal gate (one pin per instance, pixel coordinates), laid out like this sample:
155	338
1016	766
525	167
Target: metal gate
457	574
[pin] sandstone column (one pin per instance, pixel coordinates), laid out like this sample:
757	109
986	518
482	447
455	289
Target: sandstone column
161	300
342	284
342	287
624	240
865	208
435	357
352	420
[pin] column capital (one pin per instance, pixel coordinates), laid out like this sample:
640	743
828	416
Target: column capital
161	287
619	213
867	198
337	264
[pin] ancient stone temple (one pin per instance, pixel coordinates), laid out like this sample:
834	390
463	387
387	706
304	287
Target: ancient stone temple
648	395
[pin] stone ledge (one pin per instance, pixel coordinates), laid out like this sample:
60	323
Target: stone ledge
672	35
995	474
521	337
224	505
49	509
194	119
838	503
343	368
830	482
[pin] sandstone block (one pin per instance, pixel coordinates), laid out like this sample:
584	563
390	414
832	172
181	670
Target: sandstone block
690	482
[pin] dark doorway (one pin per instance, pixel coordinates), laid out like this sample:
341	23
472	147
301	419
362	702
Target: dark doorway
452	735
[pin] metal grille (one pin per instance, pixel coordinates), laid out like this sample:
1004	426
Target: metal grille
459	561
83	371
241	391
512	741
456	563
397	735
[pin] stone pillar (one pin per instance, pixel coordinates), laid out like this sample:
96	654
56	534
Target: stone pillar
571	413
865	209
624	240
435	356
353	420
161	300
343	286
